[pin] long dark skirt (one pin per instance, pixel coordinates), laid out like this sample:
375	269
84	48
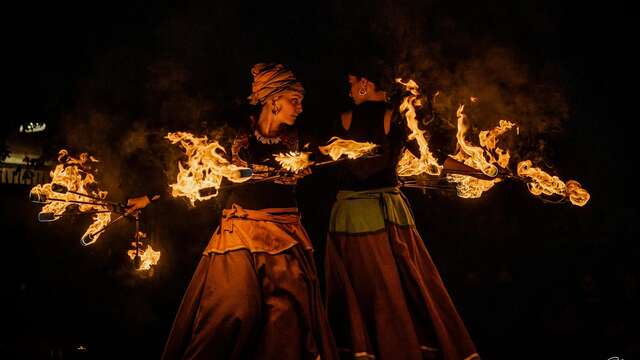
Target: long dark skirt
254	294
385	298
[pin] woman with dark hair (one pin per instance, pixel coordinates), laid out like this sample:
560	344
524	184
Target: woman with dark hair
385	298
255	294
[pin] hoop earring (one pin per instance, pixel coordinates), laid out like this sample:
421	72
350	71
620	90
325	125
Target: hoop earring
362	91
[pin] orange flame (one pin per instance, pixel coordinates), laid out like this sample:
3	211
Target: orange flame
293	161
489	139
71	174
543	183
352	149
148	256
473	155
204	168
409	165
577	195
476	157
469	187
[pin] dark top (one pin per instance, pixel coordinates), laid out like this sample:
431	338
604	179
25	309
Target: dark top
250	152
367	124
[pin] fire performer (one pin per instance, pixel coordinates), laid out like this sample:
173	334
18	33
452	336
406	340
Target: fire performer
255	292
385	297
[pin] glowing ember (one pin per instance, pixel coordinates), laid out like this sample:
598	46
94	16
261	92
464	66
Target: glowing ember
204	168
148	257
409	165
293	161
543	183
352	149
71	179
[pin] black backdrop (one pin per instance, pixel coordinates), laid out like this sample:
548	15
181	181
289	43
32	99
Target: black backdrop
530	279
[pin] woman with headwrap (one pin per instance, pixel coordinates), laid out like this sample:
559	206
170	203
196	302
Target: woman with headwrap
385	298
254	294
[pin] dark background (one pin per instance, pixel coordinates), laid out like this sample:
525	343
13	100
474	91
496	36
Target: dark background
530	279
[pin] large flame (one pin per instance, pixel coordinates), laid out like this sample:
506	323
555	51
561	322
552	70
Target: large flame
352	149
469	187
479	158
148	257
73	175
409	165
489	139
204	168
293	161
472	155
543	183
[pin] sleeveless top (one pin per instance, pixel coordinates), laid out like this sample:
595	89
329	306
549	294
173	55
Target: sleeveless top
367	124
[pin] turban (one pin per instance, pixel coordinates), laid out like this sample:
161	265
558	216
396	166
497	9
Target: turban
270	80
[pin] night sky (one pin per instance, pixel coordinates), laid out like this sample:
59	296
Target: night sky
530	279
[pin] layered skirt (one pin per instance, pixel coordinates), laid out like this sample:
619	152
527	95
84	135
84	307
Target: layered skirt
385	298
254	294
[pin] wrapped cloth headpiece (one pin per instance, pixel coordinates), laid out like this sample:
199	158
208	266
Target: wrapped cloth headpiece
272	79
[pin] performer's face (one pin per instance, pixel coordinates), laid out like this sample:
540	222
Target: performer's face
290	104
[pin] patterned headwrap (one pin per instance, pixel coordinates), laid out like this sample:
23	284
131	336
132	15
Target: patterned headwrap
270	80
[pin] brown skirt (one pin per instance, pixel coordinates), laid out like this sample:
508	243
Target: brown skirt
385	298
253	298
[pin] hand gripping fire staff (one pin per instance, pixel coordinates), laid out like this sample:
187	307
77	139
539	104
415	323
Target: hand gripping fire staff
88	238
110	206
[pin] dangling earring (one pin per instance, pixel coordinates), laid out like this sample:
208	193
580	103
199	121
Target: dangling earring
362	91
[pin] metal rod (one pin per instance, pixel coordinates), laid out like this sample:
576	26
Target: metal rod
78	202
61	189
330	162
91	236
87	196
49	216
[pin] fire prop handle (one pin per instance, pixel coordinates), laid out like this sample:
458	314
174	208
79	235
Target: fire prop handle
409	184
61	189
212	190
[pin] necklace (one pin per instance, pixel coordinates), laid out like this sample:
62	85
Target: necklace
264	139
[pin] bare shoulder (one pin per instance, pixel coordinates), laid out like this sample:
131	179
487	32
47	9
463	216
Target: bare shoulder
388	115
345	118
